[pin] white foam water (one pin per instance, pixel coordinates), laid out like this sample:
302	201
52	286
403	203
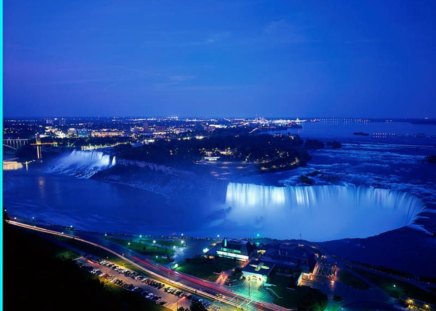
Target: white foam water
82	164
320	213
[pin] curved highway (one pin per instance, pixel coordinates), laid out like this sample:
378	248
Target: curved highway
182	281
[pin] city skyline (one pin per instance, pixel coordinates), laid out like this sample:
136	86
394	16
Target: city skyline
230	59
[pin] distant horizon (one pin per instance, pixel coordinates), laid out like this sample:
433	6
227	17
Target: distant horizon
214	117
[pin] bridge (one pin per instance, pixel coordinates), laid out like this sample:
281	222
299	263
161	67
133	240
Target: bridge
15	143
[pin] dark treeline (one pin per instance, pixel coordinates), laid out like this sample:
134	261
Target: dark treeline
266	150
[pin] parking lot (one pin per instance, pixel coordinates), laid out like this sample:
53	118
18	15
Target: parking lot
152	290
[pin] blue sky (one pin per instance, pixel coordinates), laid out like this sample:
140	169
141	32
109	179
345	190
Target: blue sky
220	58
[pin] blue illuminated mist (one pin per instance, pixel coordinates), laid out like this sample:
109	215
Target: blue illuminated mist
82	164
320	213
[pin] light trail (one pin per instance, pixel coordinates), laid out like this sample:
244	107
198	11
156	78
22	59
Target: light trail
162	273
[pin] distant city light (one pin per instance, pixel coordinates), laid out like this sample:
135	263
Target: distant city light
154	241
205	250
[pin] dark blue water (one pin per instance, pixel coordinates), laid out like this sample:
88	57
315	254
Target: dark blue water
94	205
344	129
105	206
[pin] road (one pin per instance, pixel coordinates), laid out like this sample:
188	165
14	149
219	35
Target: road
182	281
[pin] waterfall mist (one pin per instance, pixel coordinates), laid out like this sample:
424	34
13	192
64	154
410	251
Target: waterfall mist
82	164
319	213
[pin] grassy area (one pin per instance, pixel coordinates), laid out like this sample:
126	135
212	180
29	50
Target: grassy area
162	260
301	297
351	280
86	248
396	288
67	255
206	268
40	275
169	243
89	249
145	248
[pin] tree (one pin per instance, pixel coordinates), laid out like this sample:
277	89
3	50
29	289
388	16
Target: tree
197	306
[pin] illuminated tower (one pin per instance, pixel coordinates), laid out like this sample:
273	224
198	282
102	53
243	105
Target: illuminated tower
38	146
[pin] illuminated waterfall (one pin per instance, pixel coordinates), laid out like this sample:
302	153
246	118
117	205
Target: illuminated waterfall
320	213
82	164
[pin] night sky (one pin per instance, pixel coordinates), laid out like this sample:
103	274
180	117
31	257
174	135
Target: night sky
220	58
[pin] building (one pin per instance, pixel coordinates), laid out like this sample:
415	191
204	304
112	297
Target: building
289	260
72	132
83	132
291	256
235	249
107	133
257	270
